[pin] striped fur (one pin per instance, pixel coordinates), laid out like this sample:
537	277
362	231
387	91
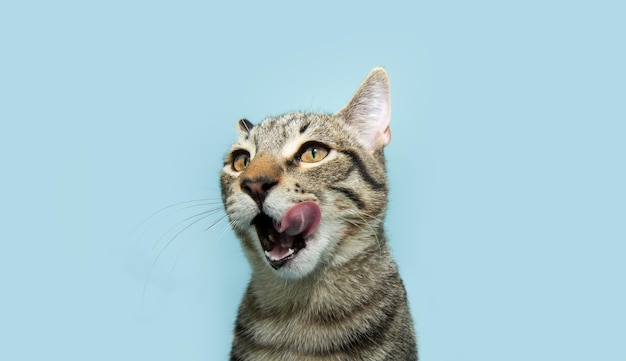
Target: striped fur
340	297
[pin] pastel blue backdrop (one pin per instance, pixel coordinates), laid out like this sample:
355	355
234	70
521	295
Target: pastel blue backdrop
507	213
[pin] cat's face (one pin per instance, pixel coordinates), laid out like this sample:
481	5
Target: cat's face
299	188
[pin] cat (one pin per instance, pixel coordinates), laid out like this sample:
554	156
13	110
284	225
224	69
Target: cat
307	194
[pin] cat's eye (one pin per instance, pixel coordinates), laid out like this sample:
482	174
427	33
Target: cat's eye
241	160
313	153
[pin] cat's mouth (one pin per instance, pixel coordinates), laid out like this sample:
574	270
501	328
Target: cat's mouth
282	240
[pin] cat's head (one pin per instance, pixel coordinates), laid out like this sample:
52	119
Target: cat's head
304	190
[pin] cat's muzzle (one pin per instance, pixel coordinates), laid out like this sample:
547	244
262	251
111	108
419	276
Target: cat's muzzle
282	240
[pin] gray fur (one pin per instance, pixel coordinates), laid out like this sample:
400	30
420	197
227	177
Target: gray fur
341	297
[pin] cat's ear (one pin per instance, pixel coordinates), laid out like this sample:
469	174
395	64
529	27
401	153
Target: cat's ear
369	110
244	126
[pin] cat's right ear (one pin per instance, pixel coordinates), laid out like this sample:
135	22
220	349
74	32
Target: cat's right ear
369	110
244	126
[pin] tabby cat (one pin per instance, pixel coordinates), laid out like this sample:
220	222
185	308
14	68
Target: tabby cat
307	194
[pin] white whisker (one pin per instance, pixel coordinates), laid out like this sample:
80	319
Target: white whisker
186	247
159	215
202	215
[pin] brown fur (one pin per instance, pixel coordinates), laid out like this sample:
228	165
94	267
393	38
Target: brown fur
341	297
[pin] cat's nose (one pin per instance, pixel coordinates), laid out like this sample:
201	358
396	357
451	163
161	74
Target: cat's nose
257	188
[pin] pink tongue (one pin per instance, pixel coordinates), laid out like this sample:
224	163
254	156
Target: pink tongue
302	219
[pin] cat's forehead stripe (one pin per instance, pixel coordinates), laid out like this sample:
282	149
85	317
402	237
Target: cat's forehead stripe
288	126
304	128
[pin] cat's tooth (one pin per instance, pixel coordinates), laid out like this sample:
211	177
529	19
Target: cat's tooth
267	254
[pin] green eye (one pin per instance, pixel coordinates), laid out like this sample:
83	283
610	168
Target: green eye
241	161
314	153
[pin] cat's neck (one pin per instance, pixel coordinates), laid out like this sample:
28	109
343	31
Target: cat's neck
327	287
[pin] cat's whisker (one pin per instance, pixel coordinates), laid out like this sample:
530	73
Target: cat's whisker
167	211
162	218
200	217
229	226
203	214
361	213
163	209
158	216
215	223
186	247
218	238
372	230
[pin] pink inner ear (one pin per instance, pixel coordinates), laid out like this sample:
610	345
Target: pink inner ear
386	136
378	125
375	132
369	110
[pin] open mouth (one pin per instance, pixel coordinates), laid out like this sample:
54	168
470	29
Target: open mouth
282	240
279	247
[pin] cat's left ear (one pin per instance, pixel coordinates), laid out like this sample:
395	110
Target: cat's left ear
369	110
244	126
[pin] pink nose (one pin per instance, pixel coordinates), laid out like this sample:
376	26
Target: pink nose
258	188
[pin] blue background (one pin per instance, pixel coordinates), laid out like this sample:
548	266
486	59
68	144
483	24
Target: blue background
507	213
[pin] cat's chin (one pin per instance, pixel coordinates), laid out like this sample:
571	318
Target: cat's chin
283	240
